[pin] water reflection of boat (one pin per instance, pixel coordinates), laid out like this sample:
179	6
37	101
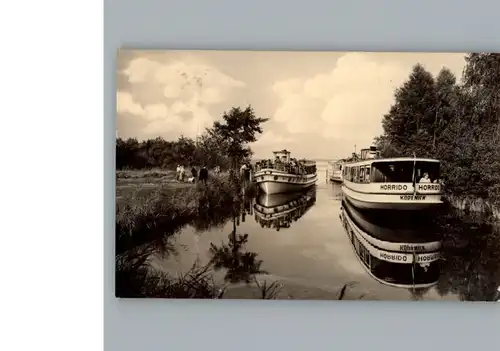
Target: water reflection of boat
336	191
412	264
395	230
280	210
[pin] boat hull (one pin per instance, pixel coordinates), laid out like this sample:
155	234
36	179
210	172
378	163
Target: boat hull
276	182
391	201
273	187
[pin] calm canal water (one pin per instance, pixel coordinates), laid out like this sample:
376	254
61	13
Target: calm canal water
312	258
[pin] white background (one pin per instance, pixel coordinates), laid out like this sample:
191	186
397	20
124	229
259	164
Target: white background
52	212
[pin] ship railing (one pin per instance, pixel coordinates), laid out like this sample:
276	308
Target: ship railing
298	168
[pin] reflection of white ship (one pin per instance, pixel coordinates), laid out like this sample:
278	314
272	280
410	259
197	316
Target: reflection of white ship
336	191
280	210
411	264
396	230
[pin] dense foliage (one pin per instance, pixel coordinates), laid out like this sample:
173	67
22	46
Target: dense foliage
223	144
456	122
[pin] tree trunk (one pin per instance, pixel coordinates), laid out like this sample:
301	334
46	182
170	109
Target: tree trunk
435	128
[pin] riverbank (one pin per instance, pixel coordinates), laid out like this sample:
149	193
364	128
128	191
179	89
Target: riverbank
146	173
146	211
148	217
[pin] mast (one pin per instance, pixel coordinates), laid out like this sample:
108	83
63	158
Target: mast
414	180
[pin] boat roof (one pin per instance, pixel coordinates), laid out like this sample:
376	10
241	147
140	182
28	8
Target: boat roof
393	159
306	161
284	151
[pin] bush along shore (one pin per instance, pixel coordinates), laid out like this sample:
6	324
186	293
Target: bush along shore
457	122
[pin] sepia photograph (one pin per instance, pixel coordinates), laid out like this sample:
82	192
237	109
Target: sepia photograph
307	175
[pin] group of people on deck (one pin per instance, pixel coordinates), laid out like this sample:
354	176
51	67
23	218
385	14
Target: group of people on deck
292	167
201	175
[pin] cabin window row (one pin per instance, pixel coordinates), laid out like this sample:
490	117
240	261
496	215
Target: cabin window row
399	172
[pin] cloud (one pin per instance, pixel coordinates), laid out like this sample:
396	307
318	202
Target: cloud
351	97
126	104
158	119
298	112
288	87
270	141
140	70
187	92
346	103
181	80
271	138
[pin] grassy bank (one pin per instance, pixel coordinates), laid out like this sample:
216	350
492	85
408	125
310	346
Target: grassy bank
148	221
146	173
160	211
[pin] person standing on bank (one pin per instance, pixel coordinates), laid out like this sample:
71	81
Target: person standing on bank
178	173
203	175
194	173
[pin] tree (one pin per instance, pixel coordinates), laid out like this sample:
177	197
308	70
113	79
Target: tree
127	154
456	123
238	129
211	152
478	128
408	124
447	95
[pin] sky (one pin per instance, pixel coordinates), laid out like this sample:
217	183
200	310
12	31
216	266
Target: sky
319	104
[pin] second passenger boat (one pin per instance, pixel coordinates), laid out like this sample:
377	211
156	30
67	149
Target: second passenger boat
285	174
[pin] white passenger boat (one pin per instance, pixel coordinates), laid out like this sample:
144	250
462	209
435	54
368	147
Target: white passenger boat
396	265
284	175
335	170
280	210
403	183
